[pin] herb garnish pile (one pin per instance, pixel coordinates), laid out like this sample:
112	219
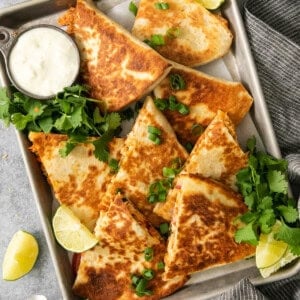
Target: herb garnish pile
71	112
264	186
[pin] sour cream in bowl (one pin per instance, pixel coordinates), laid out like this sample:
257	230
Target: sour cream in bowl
42	61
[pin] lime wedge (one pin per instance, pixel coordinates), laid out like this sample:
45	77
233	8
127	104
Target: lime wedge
70	233
287	258
20	255
211	4
269	251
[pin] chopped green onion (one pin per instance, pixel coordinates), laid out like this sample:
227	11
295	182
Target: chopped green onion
155	40
173	32
140	283
169	172
161	5
164	228
161	104
189	147
113	164
148	274
154	138
177	82
148	253
183	109
135	279
172	104
176	163
154	130
154	135
197	129
162	196
160	265
133	8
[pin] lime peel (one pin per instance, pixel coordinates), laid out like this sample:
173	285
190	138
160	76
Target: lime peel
211	4
20	256
70	233
272	254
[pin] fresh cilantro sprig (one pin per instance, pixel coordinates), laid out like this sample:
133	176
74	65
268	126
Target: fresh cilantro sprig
71	112
264	187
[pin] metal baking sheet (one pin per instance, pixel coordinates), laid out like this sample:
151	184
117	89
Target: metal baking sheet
237	65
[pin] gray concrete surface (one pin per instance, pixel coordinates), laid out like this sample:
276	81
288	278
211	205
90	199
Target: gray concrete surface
18	211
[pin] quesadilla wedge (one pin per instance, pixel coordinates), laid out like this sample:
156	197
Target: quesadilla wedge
118	68
203	227
204	95
216	155
125	238
143	159
186	32
79	180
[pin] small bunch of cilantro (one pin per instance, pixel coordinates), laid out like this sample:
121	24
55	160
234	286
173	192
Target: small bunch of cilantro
71	112
264	186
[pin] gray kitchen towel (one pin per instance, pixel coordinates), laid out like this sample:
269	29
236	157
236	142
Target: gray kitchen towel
273	31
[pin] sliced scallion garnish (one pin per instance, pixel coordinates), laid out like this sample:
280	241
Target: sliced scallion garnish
148	254
197	129
161	5
148	274
177	82
164	228
173	32
155	40
160	265
133	8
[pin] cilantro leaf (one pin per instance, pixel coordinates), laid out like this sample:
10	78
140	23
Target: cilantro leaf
247	234
68	147
251	144
290	235
289	213
20	121
71	143
4	106
46	124
295	249
101	151
277	182
113	121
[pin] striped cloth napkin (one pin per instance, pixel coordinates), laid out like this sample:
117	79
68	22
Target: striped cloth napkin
273	28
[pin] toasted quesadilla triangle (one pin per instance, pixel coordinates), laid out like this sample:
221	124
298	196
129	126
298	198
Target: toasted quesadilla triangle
202	229
204	95
143	161
216	155
105	271
79	180
118	67
193	35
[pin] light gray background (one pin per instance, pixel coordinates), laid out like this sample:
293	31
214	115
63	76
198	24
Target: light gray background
18	211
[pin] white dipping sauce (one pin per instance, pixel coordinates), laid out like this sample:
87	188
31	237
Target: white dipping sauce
43	61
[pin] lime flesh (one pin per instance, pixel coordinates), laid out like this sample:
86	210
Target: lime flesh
211	4
20	255
70	233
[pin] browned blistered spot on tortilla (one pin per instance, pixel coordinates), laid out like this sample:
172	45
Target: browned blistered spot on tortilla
101	285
